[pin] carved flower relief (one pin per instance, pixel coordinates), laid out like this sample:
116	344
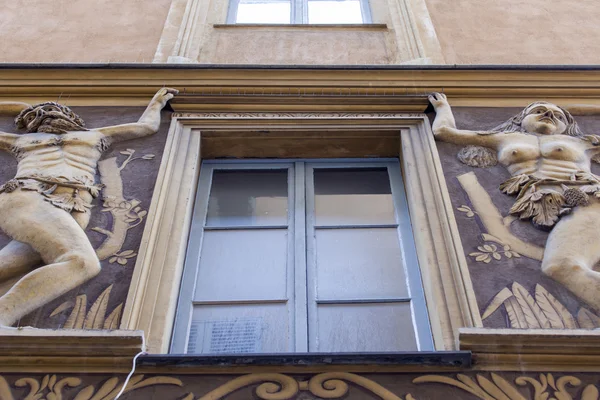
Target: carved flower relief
488	251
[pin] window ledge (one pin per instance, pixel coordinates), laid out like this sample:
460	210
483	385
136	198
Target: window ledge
355	362
532	349
304	26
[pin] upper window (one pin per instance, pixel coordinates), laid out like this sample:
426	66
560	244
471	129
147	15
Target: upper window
299	12
301	257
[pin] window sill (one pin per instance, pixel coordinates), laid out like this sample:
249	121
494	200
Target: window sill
353	362
305	26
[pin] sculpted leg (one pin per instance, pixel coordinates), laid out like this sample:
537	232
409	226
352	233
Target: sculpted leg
17	258
572	250
60	241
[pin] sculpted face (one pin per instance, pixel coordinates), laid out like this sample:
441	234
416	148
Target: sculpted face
545	119
49	118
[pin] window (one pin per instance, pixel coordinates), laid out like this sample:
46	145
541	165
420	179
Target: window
301	257
299	12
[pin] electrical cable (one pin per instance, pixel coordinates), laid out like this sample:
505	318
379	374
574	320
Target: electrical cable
133	368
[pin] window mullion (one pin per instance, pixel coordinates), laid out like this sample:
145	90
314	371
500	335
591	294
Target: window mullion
301	11
311	260
300	274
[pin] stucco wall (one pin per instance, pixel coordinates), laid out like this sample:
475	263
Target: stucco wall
517	31
81	30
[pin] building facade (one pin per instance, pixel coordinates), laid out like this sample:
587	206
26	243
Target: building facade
299	200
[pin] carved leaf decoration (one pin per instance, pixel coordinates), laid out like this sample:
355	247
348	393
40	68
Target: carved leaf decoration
467	210
51	382
496	302
75	320
491	388
5	391
509	389
533	313
85	394
148	157
515	313
513	185
112	321
590	393
95	317
134	379
477	156
45	381
558	316
64	306
587	319
107	387
472	385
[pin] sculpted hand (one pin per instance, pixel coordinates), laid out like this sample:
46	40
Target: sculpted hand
164	95
593	139
438	100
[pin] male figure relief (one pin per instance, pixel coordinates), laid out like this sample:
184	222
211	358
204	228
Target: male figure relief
46	207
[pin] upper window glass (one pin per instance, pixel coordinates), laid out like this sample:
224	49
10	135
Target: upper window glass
299	12
301	257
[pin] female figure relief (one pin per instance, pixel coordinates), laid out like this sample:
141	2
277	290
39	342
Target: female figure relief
46	207
548	158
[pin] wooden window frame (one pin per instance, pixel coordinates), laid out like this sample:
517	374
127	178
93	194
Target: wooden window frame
153	294
301	270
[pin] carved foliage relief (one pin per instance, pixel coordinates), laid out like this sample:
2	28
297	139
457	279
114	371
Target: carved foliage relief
504	253
328	385
128	172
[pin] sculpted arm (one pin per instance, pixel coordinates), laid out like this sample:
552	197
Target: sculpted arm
444	127
10	108
148	123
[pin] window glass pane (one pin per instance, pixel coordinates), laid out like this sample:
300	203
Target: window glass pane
249	197
334	12
263	12
242	265
359	264
365	327
245	328
353	197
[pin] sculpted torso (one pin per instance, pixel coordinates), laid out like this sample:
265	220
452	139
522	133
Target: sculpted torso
73	155
553	156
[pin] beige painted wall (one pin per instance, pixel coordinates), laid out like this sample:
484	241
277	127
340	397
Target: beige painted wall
517	31
81	30
298	46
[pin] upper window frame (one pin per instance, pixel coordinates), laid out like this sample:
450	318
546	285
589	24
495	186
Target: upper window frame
301	248
299	13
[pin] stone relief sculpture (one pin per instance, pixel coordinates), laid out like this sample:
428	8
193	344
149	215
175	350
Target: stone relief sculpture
46	207
549	160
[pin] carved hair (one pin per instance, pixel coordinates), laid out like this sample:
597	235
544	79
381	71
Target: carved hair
515	123
72	119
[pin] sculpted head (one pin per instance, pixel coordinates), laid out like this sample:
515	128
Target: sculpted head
49	117
542	118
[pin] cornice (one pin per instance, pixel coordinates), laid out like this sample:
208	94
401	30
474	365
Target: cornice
532	349
69	350
261	88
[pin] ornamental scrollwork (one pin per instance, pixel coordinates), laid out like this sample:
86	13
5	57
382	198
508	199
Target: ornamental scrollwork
51	387
545	387
274	386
